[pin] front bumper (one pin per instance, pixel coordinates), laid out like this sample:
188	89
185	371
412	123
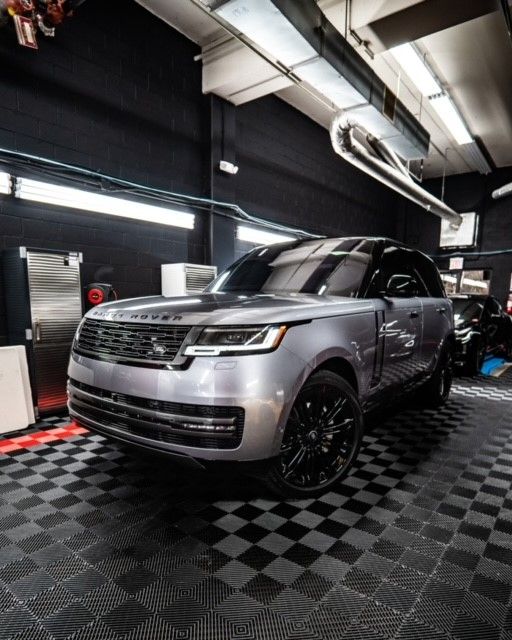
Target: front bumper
216	409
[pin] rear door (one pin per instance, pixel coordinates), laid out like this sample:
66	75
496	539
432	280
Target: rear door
437	310
400	331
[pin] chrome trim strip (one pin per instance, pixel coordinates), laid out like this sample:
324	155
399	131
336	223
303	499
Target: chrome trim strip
123	436
152	426
176	417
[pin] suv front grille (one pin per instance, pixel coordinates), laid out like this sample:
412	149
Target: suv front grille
129	341
157	420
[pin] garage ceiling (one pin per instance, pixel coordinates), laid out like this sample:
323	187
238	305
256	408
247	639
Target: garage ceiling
465	43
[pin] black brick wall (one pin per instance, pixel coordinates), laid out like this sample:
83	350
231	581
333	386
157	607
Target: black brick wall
115	91
290	173
469	192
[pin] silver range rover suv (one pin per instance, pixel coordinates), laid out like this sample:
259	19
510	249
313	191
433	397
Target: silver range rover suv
278	360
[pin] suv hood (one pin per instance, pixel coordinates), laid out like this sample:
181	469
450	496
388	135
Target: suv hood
228	309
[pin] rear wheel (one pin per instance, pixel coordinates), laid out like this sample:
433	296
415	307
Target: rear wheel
321	439
435	392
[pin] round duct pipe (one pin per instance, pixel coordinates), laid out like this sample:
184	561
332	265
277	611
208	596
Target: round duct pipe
503	191
389	170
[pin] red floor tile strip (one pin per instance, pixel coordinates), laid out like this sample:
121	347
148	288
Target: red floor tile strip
40	437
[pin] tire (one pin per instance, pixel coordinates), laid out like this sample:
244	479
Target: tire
436	390
316	451
475	358
507	352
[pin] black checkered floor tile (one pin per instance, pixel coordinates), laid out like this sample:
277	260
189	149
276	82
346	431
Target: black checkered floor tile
97	542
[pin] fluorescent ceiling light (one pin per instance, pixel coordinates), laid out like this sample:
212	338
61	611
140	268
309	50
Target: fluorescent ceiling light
5	182
414	66
451	118
257	236
477	158
98	203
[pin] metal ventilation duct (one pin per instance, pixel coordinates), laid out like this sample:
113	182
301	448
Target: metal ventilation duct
505	190
372	156
299	36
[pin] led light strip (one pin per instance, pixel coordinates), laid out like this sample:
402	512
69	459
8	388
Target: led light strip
446	110
257	236
5	183
60	196
412	62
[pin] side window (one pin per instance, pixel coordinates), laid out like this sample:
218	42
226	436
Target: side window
429	274
346	279
398	272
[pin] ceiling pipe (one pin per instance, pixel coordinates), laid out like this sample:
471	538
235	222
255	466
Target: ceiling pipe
388	169
507	14
503	191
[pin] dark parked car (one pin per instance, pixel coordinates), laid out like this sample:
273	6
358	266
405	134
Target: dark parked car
481	327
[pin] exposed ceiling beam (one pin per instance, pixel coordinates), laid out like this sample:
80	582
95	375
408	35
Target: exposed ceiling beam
420	20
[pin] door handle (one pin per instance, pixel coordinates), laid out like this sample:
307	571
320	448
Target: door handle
441	309
37	330
414	314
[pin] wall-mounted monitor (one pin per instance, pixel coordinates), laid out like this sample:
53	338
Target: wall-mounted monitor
463	236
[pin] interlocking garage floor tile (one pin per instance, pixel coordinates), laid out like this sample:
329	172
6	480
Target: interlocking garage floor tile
97	542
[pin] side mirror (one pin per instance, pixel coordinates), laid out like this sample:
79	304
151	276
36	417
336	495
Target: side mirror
401	286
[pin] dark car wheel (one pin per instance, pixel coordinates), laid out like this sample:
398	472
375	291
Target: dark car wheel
436	390
321	439
475	358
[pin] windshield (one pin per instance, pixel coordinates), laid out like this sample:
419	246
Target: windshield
329	266
466	310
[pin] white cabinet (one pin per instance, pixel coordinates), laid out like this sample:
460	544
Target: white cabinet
181	279
16	410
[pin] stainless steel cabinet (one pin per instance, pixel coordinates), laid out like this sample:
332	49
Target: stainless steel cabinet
44	308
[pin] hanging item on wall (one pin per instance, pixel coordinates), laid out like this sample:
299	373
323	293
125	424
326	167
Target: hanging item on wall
96	293
30	15
25	31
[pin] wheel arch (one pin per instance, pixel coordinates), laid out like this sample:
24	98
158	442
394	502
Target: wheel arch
342	367
333	362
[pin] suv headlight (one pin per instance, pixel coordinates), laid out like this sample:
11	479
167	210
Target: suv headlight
220	341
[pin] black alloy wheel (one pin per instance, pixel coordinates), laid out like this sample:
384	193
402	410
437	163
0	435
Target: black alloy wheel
321	439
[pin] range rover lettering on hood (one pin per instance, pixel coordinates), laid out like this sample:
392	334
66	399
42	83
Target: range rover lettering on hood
119	315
